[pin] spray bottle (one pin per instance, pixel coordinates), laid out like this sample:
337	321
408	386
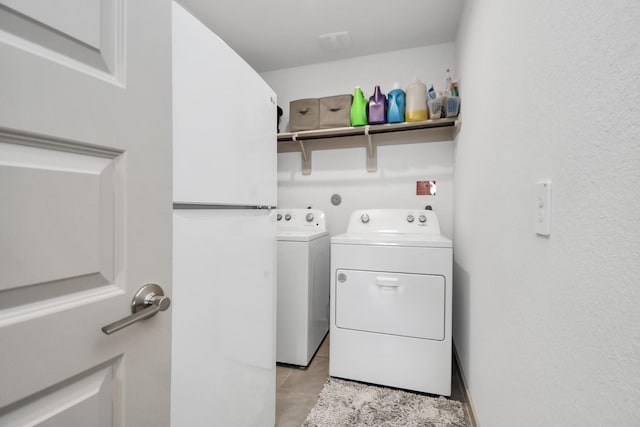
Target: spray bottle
448	84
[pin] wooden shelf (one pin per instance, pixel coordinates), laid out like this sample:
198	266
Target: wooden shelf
370	136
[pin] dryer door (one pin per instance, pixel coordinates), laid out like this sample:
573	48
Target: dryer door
411	305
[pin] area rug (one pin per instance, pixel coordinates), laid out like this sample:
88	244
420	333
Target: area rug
348	403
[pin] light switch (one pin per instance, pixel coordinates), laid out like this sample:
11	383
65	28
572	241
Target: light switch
543	208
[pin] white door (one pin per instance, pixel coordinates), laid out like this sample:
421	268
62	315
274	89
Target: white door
85	210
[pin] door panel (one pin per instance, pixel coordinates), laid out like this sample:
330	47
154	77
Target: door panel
87	35
85	218
83	24
68	403
61	224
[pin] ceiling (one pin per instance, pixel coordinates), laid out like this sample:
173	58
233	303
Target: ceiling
276	34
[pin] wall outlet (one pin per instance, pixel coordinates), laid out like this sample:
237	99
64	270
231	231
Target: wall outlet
543	208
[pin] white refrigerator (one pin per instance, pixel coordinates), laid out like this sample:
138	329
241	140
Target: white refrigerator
224	234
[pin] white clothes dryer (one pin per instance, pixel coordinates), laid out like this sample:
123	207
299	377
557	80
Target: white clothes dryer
391	301
303	284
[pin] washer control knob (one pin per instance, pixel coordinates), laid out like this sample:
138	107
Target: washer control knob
279	217
287	217
422	219
364	218
310	217
342	277
410	218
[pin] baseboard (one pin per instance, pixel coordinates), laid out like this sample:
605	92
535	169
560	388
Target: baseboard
471	410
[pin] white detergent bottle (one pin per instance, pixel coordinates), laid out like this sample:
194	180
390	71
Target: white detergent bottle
416	102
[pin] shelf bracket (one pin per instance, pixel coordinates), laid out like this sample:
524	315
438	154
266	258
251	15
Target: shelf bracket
306	155
372	152
456	126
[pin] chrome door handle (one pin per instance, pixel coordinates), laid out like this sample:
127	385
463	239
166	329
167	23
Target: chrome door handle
149	300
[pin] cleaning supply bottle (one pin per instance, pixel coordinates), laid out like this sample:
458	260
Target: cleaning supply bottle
448	84
395	105
454	89
358	108
377	110
431	93
416	102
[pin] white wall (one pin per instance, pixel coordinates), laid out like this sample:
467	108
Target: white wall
343	171
547	328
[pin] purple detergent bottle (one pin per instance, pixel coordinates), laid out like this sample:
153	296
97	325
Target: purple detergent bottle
377	107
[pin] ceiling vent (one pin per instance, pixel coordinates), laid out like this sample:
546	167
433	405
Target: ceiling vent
335	41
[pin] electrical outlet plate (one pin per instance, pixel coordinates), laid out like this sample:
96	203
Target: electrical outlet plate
543	208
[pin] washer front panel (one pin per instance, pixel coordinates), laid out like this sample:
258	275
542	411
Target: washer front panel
411	305
302	299
371	348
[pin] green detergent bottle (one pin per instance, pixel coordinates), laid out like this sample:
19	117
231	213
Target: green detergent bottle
358	108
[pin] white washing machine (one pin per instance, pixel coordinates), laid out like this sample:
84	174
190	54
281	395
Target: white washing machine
303	284
391	301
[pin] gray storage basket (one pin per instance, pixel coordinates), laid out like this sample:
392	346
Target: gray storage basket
304	114
335	111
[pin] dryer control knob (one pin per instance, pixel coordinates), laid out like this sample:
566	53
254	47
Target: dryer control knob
287	217
342	277
310	217
422	219
364	218
410	218
279	217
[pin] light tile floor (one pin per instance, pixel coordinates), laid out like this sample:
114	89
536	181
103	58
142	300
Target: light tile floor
297	389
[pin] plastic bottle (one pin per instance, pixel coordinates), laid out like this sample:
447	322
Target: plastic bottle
454	89
358	108
416	102
431	93
377	109
448	83
395	105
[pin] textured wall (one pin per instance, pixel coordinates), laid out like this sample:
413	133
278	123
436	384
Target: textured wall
343	171
547	328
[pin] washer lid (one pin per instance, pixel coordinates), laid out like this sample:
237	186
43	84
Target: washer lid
393	239
300	235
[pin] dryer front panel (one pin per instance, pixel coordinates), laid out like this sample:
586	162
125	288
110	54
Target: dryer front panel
410	305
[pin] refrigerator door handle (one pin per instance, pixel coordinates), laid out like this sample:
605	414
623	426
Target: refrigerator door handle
214	206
